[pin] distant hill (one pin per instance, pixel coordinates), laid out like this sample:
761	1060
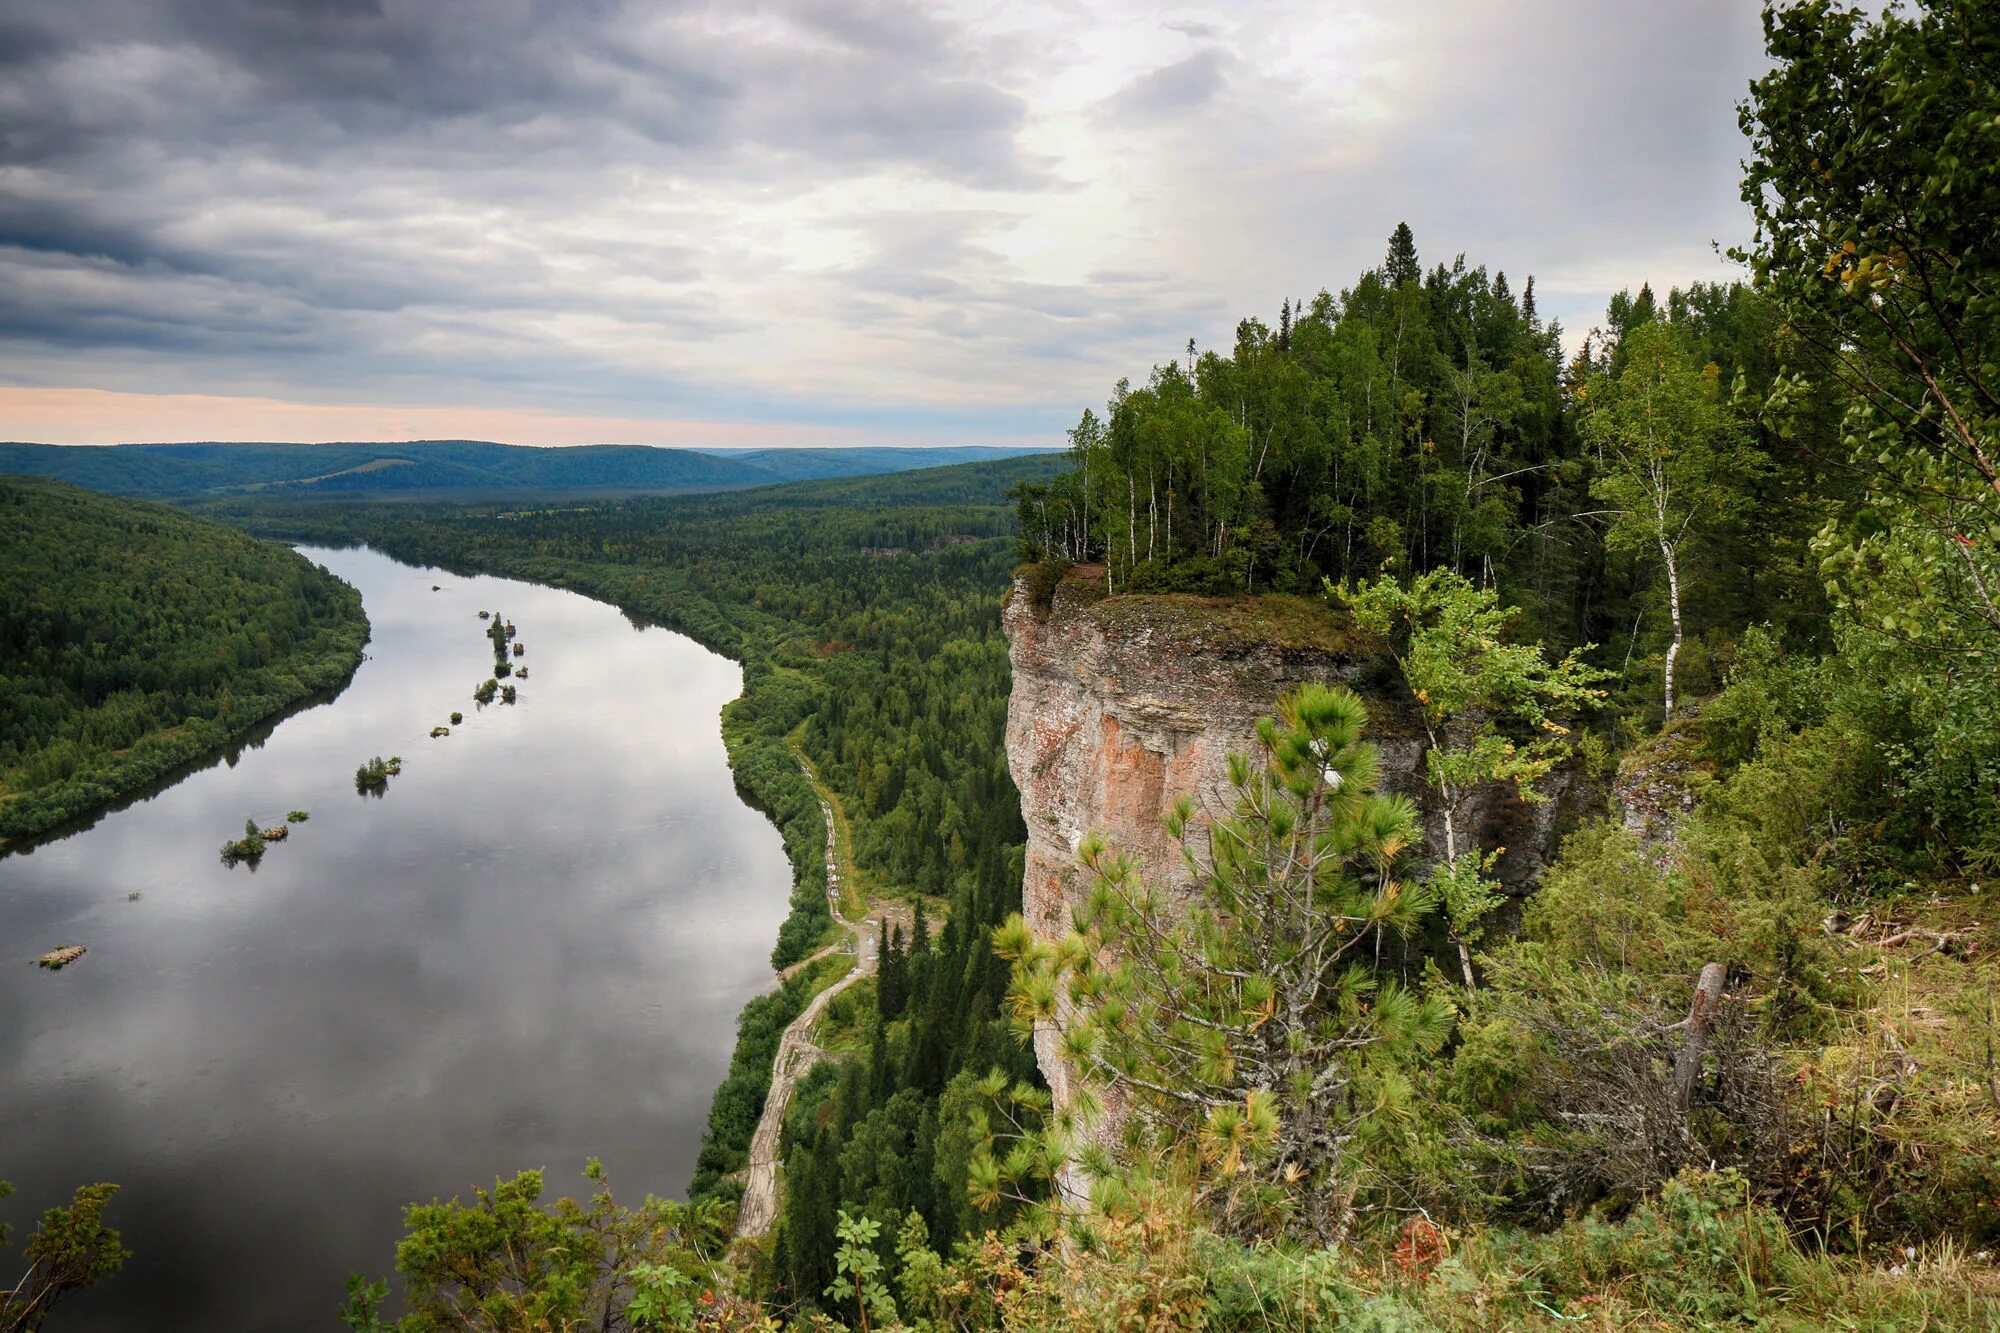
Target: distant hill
862	460
986	482
439	469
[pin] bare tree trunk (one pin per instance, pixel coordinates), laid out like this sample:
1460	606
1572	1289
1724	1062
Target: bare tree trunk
1451	859
1694	1037
1083	546
1152	511
1674	608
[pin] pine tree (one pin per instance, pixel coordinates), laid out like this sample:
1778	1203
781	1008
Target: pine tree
1401	268
892	983
1241	1020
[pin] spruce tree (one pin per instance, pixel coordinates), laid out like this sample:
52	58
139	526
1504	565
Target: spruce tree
1401	268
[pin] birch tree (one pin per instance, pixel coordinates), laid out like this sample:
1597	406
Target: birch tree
1671	462
1489	710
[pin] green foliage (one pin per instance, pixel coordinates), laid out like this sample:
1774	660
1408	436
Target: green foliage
1873	181
732	1117
867	610
858	1272
1252	1020
1475	693
247	848
135	639
1783	497
1413	420
372	778
508	1261
70	1250
1674	467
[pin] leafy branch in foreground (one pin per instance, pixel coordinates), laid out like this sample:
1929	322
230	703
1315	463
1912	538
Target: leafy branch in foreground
69	1251
1246	1016
1872	177
507	1261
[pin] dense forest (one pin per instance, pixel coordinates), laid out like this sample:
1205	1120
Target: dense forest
1730	555
135	638
1426	420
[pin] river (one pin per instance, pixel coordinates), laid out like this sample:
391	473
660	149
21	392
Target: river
529	951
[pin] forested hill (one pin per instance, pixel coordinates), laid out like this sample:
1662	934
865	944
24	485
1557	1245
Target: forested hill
135	638
461	469
860	461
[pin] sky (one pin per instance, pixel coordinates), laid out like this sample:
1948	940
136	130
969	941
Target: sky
810	222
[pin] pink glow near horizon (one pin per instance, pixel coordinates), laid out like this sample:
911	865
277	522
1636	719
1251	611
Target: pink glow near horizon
98	416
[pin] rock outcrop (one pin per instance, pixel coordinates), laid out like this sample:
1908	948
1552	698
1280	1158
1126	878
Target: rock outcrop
1122	705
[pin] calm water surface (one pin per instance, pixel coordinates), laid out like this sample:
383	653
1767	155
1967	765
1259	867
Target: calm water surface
531	950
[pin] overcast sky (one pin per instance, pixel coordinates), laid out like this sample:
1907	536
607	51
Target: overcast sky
567	221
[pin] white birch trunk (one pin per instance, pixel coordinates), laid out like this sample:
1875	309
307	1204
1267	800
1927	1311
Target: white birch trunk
1674	608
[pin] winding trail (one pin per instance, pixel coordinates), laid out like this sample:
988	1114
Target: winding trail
797	1052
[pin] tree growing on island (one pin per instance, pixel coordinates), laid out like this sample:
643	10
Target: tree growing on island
1244	1020
1490	713
246	849
372	778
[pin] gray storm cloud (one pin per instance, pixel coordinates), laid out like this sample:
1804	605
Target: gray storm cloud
962	222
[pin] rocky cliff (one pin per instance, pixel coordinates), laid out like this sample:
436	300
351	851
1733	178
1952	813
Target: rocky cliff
1122	705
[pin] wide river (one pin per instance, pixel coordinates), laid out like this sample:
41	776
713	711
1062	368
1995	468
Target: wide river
529	951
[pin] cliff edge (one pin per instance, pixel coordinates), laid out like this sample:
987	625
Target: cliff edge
1122	705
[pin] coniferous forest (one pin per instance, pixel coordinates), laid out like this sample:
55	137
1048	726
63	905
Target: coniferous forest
1727	560
134	639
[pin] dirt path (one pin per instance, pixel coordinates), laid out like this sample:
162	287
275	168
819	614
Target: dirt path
797	1052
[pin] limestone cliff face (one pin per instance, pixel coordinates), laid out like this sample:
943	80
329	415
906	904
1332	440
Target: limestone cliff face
1121	706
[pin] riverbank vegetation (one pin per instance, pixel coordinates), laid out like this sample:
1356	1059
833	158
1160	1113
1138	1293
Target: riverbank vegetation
135	638
866	616
1732	1064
